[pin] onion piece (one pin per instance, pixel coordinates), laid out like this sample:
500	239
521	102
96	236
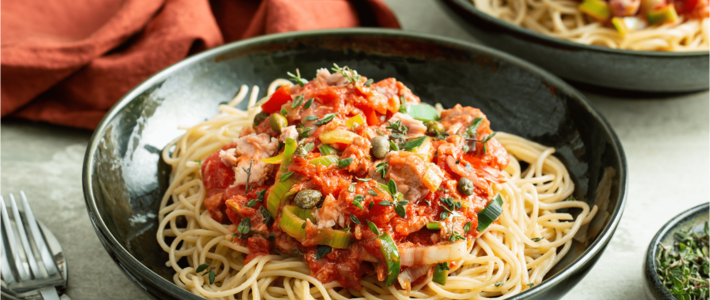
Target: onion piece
427	255
411	274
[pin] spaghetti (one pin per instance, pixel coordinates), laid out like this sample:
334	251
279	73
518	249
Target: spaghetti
511	255
563	19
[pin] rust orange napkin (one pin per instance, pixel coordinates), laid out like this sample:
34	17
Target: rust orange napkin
68	62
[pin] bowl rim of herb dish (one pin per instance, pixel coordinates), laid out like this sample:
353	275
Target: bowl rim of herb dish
683	221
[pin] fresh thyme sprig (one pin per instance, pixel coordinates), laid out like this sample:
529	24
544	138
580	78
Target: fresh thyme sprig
382	169
684	267
246	189
203	267
349	74
297	78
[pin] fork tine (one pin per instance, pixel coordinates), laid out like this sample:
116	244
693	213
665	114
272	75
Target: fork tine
7	276
10	234
23	238
38	238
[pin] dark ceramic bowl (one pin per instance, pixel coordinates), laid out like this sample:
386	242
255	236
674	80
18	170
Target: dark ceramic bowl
692	219
124	177
649	71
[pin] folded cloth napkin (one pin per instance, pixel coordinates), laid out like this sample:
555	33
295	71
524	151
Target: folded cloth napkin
68	62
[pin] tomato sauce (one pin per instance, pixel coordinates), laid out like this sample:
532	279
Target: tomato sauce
360	189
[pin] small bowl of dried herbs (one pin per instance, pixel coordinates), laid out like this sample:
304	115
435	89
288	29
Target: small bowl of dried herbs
677	261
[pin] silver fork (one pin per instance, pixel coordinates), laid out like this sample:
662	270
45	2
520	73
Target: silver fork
21	270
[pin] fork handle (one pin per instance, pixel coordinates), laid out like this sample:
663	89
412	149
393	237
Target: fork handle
49	293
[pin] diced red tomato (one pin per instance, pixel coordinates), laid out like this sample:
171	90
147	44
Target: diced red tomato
685	6
278	98
371	116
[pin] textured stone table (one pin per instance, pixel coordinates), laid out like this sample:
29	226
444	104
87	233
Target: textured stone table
665	139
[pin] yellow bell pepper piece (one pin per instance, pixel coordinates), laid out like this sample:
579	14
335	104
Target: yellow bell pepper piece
431	180
338	136
274	160
358	119
596	9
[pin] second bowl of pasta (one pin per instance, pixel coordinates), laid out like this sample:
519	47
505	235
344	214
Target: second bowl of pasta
585	41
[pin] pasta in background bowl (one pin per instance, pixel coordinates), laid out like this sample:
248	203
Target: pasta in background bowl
591	52
125	177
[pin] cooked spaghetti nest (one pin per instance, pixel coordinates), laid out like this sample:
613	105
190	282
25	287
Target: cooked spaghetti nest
562	19
510	256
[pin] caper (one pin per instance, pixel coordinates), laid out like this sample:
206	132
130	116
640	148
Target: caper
308	198
300	151
465	186
434	128
260	117
278	121
380	146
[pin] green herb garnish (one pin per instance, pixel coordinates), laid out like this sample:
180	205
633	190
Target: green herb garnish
350	74
248	171
373	228
327	118
345	162
297	78
683	268
322	251
308	103
297	101
285	176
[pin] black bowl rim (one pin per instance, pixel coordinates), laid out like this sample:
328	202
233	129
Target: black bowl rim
470	7
652	251
122	256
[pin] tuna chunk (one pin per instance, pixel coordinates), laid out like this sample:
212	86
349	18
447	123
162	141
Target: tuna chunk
623	8
256	145
250	149
416	127
458	119
335	79
289	132
359	150
414	177
330	213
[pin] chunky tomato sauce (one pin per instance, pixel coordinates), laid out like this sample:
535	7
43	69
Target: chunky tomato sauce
341	238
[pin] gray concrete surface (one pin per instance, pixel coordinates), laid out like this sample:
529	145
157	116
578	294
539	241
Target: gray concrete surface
666	142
